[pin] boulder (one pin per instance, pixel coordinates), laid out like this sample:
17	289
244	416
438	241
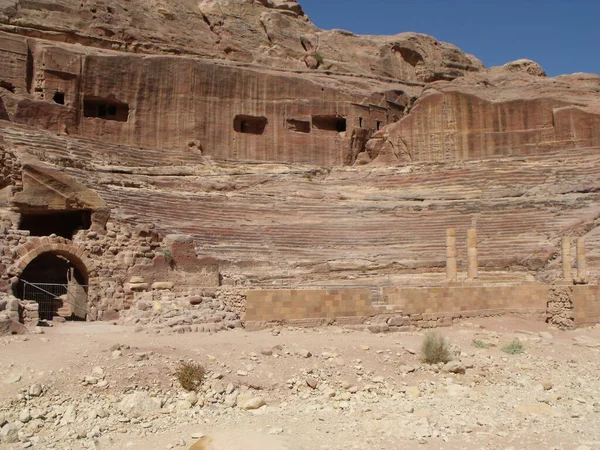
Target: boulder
249	401
35	390
10	326
139	404
454	367
525	66
9	434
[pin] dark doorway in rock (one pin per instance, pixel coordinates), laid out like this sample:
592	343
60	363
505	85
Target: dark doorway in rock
3	112
7	85
105	109
329	123
64	223
56	284
59	98
250	124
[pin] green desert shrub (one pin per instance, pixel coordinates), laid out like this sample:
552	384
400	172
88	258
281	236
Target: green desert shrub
480	344
435	349
514	348
190	375
169	259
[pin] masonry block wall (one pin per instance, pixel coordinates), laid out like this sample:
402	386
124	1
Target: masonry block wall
586	304
524	298
426	307
279	305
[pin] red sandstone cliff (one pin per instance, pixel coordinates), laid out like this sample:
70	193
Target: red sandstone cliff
273	33
499	112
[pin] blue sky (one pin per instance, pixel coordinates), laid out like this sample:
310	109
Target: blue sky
563	36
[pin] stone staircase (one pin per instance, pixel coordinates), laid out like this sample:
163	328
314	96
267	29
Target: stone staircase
271	223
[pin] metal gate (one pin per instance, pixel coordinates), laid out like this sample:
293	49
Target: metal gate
65	300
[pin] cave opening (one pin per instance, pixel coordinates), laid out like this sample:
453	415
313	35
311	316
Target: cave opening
410	56
63	223
3	116
249	124
329	123
105	109
7	85
59	98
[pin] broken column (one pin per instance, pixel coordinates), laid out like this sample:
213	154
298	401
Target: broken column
581	264
566	257
472	254
451	254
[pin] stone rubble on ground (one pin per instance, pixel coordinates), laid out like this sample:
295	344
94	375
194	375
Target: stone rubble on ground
406	399
215	310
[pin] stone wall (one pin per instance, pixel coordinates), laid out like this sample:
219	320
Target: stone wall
110	261
467	299
10	238
10	169
586	304
401	307
560	307
283	305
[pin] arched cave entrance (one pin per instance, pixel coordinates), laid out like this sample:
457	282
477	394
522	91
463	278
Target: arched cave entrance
58	283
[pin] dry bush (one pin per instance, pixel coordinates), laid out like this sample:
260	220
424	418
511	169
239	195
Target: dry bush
435	349
514	348
190	375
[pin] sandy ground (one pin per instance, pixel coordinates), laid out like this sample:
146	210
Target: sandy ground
372	390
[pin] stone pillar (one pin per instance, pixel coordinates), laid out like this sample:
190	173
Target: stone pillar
566	257
581	264
472	254
451	254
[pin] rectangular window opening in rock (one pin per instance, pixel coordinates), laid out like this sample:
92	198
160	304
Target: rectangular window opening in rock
249	124
105	109
7	85
360	122
301	126
329	123
379	123
61	223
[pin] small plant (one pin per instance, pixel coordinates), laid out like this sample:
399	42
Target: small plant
435	349
319	58
514	348
168	255
480	344
190	375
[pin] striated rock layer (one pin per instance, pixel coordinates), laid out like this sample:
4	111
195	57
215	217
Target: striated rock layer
299	224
